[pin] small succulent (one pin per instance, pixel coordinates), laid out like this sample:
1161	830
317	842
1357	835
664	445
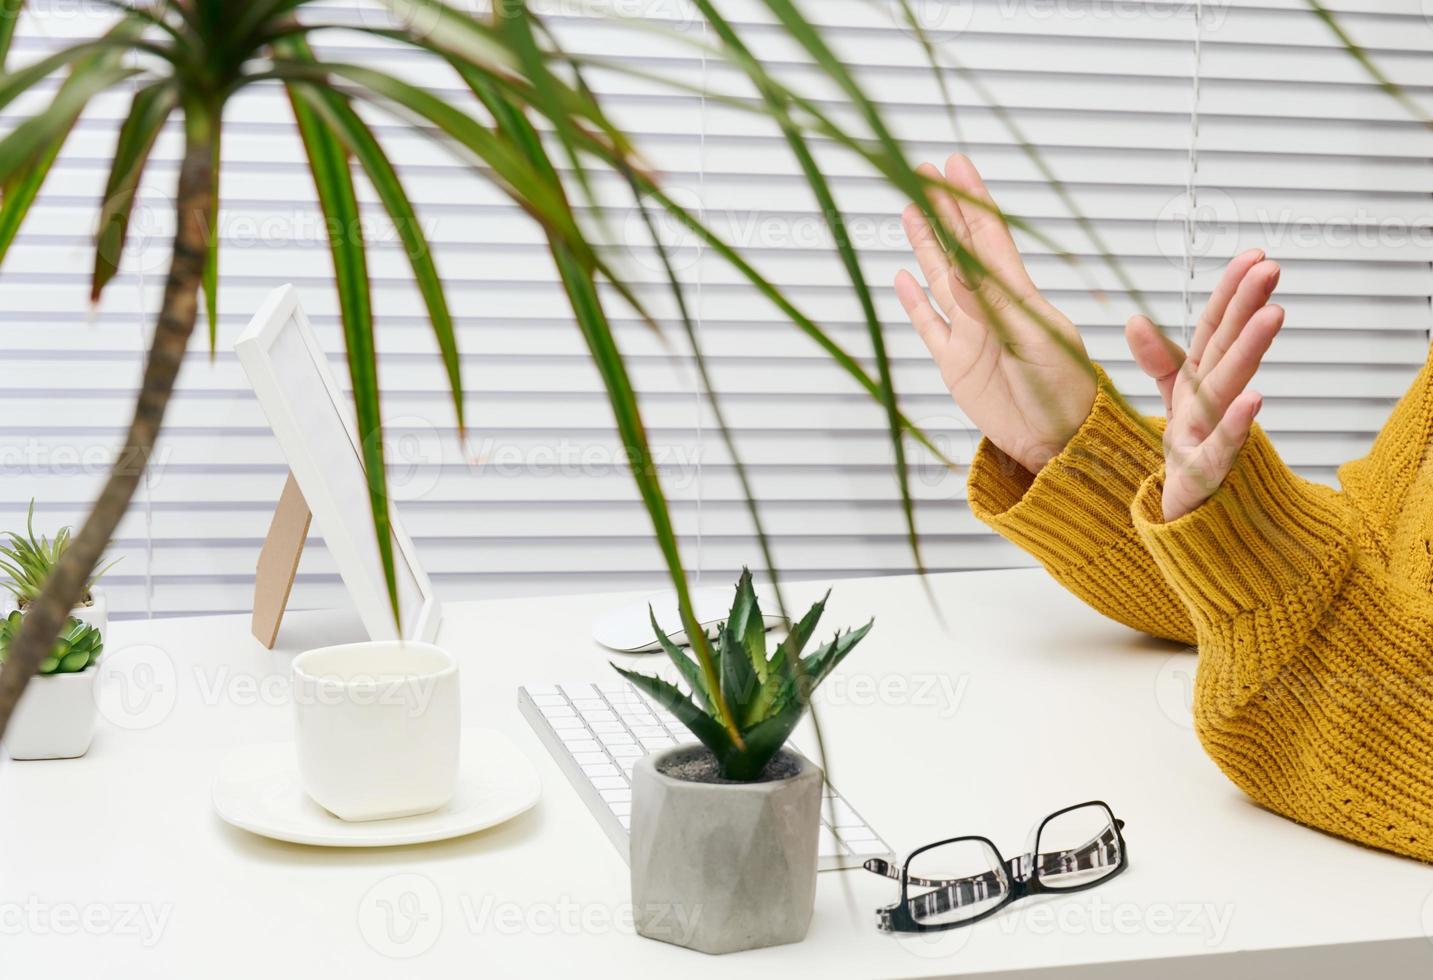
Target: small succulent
29	559
744	704
78	646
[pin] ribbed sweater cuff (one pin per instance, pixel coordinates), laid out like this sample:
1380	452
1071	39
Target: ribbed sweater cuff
1077	507
1266	537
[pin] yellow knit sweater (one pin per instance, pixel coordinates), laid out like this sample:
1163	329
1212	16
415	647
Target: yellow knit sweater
1312	608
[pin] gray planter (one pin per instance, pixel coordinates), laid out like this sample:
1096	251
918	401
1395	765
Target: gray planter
720	866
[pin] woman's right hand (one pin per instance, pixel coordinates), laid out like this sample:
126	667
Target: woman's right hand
1013	363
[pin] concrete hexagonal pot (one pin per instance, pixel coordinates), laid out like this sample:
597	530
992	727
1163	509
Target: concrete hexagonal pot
721	866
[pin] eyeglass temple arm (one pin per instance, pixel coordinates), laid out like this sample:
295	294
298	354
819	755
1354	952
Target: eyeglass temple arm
952	893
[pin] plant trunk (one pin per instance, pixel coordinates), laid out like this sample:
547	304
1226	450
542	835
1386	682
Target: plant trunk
45	617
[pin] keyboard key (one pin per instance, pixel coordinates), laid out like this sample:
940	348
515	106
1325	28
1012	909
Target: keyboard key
656	744
560	711
852	834
623	795
548	700
645	732
599	715
570	735
559	724
590	704
587	746
590	758
579	691
621	809
627	751
610	739
602	771
609	782
608	727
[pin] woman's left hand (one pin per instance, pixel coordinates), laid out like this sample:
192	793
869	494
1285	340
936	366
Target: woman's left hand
1209	408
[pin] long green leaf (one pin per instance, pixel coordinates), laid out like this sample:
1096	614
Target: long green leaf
360	141
334	183
148	112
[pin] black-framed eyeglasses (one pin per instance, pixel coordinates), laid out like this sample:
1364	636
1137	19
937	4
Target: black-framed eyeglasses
962	880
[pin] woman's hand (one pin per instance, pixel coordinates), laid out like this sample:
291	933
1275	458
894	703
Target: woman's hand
1013	363
1210	411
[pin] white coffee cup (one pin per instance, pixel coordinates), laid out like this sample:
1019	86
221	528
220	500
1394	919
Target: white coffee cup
377	726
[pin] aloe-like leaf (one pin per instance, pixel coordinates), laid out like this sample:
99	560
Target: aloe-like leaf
339	202
763	741
780	680
360	141
690	672
738	679
825	659
707	730
148	112
748	626
9	17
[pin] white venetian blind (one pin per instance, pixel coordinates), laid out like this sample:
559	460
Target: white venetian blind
1297	151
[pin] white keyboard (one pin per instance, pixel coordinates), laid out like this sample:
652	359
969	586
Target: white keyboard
597	732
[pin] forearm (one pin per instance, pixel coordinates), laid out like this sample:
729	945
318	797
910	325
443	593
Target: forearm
1074	517
1315	678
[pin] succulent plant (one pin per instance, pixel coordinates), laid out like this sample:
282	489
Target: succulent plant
765	695
29	559
78	646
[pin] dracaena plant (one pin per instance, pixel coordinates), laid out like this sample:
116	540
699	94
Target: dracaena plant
766	692
528	123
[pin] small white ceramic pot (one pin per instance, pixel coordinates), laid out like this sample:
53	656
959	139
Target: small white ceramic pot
377	726
719	866
55	718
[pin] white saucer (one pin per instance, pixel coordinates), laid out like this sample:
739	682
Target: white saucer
258	790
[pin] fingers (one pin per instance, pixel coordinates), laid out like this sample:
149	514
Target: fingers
1192	477
1224	290
1157	355
1218	389
934	265
989	235
1253	292
932	327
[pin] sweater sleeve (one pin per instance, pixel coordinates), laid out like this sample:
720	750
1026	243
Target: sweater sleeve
1074	516
1315	671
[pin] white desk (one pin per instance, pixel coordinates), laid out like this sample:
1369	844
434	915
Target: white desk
1031	702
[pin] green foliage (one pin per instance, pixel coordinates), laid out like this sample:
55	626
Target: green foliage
29	559
77	648
766	693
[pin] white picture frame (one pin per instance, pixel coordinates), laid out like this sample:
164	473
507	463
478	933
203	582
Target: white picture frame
313	421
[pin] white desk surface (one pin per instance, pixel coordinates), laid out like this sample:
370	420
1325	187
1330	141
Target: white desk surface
116	866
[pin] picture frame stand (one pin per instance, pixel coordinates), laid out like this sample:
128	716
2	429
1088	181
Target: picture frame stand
278	564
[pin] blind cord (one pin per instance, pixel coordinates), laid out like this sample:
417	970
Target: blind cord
1191	187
